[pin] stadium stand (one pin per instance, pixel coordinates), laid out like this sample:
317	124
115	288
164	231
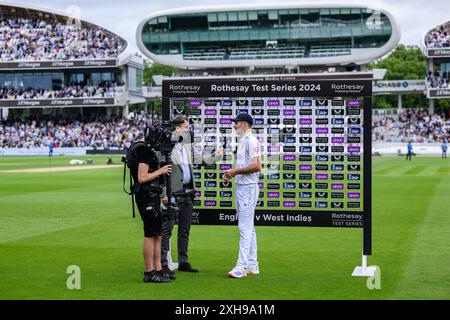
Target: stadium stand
245	52
24	39
261	51
438	80
438	38
116	133
416	125
102	89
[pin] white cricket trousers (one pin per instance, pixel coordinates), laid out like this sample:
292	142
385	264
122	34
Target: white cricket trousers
246	198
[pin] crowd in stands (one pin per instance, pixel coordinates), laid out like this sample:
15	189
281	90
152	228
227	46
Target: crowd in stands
411	125
102	90
115	133
438	80
416	125
26	39
440	38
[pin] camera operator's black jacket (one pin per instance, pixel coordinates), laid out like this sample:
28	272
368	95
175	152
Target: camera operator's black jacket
194	158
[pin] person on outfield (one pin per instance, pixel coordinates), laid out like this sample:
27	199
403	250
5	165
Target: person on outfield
410	151
182	180
444	147
246	174
147	171
50	149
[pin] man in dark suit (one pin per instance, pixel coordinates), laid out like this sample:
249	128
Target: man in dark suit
182	179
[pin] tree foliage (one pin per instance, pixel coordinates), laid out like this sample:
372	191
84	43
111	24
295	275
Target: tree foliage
403	63
156	69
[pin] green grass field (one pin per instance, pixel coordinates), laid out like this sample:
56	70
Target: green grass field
51	220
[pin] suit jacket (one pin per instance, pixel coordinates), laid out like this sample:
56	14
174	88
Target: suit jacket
176	177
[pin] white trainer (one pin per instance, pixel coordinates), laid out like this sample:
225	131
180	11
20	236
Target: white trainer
237	273
252	270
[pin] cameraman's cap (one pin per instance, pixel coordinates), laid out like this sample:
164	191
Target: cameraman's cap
244	117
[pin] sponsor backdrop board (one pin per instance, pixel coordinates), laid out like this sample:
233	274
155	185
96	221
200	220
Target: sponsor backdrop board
315	139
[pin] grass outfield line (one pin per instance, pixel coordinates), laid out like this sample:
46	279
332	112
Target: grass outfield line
30	162
61	169
51	221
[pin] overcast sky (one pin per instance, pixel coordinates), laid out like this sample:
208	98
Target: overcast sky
415	17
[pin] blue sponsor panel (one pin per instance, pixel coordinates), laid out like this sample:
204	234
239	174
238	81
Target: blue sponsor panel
226	103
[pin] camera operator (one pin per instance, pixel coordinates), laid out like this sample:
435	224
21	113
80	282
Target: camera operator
149	205
182	182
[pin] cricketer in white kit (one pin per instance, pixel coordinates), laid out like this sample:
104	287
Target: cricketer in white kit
246	174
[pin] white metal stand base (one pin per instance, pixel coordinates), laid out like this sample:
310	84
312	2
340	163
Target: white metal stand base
172	265
364	270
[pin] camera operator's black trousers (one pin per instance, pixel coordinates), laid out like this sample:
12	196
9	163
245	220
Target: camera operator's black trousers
185	206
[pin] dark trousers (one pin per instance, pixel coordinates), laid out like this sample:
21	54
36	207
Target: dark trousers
444	154
408	155
184	226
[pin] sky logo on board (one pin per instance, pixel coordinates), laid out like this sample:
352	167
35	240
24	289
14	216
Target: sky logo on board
305	103
226	103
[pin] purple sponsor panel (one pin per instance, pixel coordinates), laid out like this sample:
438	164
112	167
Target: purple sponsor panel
321	176
337	186
261	185
225	166
305	121
260	139
195	103
337	139
354	103
210	203
198	193
210	112
305	167
289	157
353	195
225	121
321	130
353	149
273	103
273	194
273	148
289	204
289	112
